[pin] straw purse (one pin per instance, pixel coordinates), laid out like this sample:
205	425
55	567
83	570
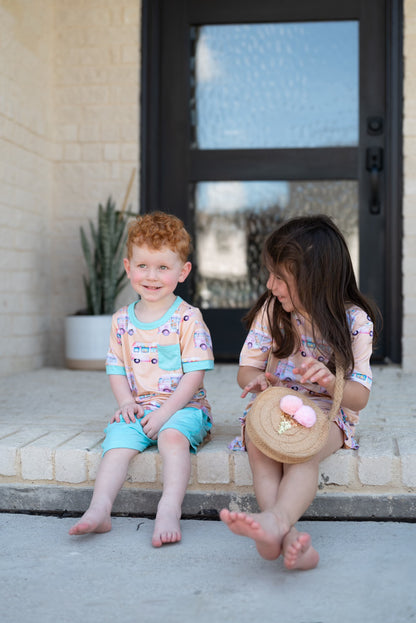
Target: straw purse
279	436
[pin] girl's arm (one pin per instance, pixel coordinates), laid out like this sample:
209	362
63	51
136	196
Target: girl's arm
355	396
188	385
128	407
251	380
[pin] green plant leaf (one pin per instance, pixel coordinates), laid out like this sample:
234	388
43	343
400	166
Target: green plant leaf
103	255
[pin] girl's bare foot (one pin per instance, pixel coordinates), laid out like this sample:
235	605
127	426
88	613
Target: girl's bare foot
92	521
167	526
298	552
264	528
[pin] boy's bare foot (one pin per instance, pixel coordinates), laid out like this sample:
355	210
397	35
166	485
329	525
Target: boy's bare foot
92	521
167	526
298	552
264	528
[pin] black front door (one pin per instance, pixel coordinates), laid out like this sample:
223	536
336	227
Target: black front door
254	112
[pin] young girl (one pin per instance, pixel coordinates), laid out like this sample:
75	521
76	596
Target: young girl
311	313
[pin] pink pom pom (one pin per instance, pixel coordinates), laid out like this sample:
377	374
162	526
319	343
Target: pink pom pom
290	404
305	416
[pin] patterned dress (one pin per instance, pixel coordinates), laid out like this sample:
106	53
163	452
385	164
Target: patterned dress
255	353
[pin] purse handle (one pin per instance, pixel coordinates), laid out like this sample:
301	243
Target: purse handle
338	390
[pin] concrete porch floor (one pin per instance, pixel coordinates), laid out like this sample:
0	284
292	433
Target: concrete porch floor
51	428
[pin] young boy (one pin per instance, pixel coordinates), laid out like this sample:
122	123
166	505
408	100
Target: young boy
159	350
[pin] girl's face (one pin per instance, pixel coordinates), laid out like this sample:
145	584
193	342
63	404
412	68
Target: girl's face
282	285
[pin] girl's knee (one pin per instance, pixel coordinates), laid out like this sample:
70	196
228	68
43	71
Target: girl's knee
256	455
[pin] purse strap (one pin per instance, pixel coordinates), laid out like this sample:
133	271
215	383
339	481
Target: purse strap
338	391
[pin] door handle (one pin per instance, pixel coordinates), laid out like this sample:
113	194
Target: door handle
374	164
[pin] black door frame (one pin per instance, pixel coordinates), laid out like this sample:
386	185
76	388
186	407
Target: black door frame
162	173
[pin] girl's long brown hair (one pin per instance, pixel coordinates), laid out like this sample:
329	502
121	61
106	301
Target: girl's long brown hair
314	251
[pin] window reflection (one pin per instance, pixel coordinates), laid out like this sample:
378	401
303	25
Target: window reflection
275	85
232	220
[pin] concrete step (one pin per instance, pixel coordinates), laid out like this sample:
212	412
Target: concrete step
50	448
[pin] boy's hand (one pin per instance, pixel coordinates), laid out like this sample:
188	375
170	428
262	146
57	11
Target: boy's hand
259	384
128	411
315	371
153	422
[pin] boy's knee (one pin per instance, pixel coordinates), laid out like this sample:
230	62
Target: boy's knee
172	437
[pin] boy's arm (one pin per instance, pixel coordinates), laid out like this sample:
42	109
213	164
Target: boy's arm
128	407
188	385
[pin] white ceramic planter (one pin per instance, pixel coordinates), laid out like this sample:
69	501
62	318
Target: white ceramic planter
86	341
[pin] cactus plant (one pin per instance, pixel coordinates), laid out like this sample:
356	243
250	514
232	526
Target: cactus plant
106	276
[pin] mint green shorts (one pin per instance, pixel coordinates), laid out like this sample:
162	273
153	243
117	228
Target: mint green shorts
191	422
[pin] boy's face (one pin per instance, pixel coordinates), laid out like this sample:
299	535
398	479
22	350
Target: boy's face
155	273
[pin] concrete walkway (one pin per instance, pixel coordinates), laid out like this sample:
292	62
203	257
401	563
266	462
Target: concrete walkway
51	428
366	574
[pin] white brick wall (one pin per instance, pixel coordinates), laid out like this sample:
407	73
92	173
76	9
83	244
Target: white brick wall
69	94
96	96
26	162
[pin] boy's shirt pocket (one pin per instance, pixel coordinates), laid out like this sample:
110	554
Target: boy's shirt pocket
170	357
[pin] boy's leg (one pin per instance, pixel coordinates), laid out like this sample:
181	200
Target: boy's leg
111	475
174	451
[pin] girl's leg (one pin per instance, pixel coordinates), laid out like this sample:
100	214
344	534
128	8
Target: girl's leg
267	475
176	459
300	481
296	547
295	493
111	475
298	552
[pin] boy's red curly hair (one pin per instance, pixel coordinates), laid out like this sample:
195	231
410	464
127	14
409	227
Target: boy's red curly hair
157	230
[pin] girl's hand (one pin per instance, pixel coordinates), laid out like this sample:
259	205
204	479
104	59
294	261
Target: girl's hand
259	384
128	411
316	371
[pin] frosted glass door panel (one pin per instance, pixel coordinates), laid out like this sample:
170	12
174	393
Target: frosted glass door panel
232	220
275	85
